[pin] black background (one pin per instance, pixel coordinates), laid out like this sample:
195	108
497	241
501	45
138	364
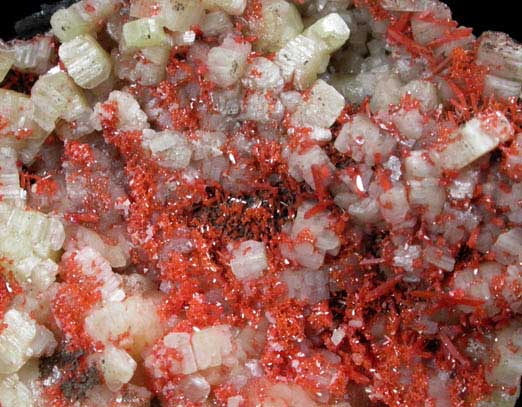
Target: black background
498	15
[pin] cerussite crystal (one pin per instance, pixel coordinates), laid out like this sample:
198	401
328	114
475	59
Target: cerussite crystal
260	203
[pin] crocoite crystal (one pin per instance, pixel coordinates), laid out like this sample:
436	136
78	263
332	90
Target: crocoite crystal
260	203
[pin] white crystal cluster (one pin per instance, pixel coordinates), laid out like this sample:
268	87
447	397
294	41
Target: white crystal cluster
198	87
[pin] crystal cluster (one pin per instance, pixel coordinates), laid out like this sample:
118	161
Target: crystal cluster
260	203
